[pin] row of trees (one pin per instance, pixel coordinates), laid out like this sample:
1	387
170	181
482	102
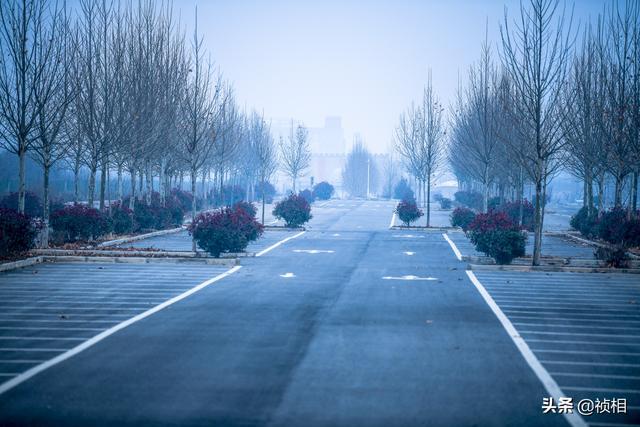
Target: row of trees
553	103
119	88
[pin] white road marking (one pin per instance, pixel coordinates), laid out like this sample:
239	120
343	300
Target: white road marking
407	236
543	375
409	253
581	334
408	277
288	275
590	375
606	364
611	353
336	234
453	246
33	349
393	220
42	338
313	251
275	245
101	336
603	390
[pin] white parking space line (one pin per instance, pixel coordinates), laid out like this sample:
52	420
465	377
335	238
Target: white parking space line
603	364
106	333
592	375
543	375
574	319
275	245
453	247
27	338
626	344
585	315
609	353
393	220
35	350
603	390
48	328
580	334
556	325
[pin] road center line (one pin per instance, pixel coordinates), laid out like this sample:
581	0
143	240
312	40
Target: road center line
275	245
543	375
453	246
101	336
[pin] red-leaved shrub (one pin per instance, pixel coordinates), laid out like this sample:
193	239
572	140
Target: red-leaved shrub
496	235
225	230
17	233
462	217
408	211
294	210
78	222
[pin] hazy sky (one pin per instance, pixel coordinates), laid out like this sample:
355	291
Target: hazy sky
362	60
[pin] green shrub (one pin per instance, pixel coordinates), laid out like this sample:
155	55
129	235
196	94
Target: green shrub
32	203
403	191
121	218
445	203
497	236
470	199
462	217
323	190
586	224
294	210
615	256
408	211
307	195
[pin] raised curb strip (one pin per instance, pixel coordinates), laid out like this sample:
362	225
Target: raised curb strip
139	237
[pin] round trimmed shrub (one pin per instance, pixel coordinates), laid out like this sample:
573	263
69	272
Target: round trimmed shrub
586	224
445	203
17	233
470	199
496	235
294	210
79	222
403	191
462	217
408	211
225	230
323	190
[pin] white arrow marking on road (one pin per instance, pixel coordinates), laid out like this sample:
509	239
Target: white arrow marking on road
406	236
288	275
410	253
409	277
312	251
336	234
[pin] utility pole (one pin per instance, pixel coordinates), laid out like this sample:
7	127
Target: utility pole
368	175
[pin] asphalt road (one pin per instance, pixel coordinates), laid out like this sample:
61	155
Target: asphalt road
348	324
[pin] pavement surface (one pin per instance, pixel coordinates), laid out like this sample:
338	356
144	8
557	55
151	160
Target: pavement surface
349	323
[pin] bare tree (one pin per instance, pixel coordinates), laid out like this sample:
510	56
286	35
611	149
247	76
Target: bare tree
360	172
24	55
535	54
295	153
265	151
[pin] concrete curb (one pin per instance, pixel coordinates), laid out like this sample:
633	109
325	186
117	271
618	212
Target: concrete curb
139	237
14	265
136	253
283	228
552	269
139	260
593	243
420	227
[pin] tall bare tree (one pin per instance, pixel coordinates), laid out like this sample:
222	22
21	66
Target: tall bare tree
535	52
295	153
265	151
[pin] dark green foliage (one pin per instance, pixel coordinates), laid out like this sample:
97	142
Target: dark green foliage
323	190
494	203
403	191
469	199
79	222
225	230
32	203
586	224
307	195
17	233
269	191
497	236
462	217
408	211
512	209
445	203
294	210
155	216
121	218
615	256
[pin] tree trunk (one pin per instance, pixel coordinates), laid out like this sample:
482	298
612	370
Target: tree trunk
428	200
132	197
634	192
148	183
589	193
263	201
193	207
618	191
103	183
537	228
92	185
601	193
120	182
45	207
21	180
485	194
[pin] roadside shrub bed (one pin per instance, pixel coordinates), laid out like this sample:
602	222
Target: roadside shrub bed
226	230
408	211
323	190
79	223
512	209
154	216
462	217
470	199
496	235
32	203
17	233
121	218
294	210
